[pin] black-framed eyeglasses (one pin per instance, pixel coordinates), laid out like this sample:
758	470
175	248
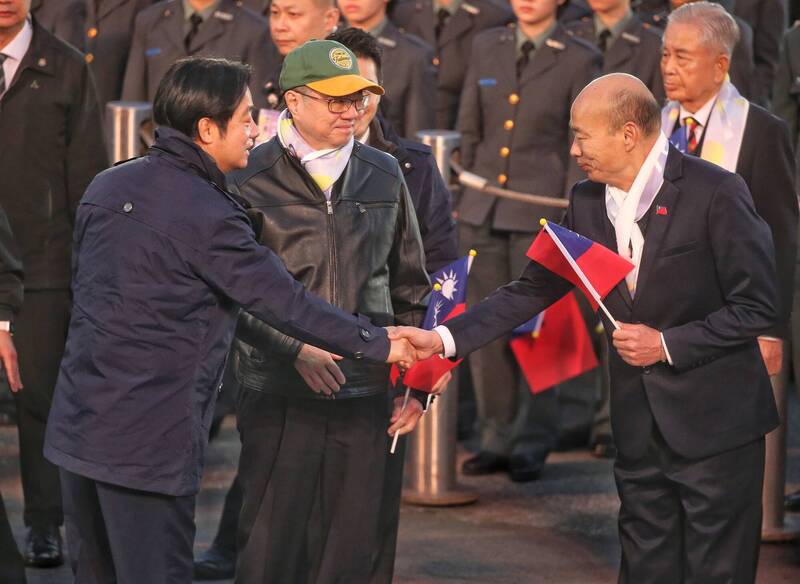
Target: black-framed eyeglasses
339	105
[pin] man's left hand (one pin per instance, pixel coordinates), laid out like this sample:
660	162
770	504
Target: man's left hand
638	344
8	355
772	353
405	420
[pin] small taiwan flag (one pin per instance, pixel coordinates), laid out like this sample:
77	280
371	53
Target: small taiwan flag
590	266
448	299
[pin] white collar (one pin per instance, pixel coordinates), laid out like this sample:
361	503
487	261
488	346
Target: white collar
701	116
17	48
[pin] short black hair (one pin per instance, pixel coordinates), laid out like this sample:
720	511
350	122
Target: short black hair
362	44
200	87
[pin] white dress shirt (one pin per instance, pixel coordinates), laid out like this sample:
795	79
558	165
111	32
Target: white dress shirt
15	51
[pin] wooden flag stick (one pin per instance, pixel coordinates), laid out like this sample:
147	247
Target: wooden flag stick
397	433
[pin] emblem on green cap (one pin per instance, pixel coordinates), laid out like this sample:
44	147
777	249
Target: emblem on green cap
340	58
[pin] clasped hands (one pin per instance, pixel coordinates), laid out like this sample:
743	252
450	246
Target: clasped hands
320	371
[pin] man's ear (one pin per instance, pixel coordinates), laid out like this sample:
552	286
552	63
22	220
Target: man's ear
630	136
721	68
206	131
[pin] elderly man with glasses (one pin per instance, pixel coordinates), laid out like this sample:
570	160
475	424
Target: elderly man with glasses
312	424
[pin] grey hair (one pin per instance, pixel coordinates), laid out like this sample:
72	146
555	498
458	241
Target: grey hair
639	107
717	28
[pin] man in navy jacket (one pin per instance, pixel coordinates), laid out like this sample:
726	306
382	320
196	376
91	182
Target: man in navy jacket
690	396
164	258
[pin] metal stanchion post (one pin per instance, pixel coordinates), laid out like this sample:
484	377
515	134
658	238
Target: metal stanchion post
430	471
126	125
775	527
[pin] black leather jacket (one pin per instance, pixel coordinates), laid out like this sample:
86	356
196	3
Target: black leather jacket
360	251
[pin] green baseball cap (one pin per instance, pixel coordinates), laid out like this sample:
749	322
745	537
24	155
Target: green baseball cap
327	67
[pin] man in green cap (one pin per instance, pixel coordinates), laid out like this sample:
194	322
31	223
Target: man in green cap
339	215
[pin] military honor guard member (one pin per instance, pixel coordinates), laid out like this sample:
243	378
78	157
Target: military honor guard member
691	399
64	18
449	26
628	44
107	38
514	122
293	23
707	117
51	148
768	19
411	85
786	104
168	31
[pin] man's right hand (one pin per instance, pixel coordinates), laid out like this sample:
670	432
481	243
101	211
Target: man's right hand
425	343
8	354
319	370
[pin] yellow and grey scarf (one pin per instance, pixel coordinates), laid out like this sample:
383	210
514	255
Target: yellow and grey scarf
324	166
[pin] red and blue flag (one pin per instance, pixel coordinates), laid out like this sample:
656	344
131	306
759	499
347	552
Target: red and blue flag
595	269
554	346
448	299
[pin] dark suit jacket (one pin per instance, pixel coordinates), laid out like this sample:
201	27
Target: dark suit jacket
766	163
409	78
51	148
768	21
532	152
786	90
232	32
64	18
108	37
709	292
453	46
636	51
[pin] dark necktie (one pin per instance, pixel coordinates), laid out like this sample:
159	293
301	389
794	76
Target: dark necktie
602	40
692	134
2	74
442	16
525	56
195	20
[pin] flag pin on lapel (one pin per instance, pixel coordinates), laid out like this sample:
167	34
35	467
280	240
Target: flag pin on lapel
661	210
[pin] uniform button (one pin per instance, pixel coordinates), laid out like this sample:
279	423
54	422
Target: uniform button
504	152
407	165
647	370
127	207
92	32
509	124
358	355
513	99
365	334
502	179
435	61
89	57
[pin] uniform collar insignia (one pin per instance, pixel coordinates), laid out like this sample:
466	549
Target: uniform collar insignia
387	41
632	38
226	16
473	10
554	44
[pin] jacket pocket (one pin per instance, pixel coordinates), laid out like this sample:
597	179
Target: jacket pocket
681	249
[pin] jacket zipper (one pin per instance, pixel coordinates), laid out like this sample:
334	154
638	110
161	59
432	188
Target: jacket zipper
332	252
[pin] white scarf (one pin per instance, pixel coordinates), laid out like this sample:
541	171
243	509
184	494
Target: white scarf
625	209
324	166
724	129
